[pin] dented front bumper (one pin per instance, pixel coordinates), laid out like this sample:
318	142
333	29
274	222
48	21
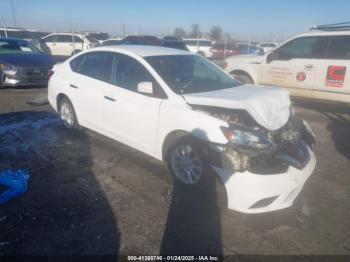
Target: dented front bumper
248	192
267	181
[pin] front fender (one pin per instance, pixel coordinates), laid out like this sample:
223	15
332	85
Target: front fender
245	68
181	117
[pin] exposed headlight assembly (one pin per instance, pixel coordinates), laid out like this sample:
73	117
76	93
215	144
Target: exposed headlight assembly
5	67
8	69
246	138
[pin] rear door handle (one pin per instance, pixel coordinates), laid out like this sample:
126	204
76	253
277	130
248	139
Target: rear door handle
110	98
73	86
309	67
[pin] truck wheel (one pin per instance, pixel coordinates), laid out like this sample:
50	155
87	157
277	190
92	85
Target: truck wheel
242	78
187	162
201	54
67	114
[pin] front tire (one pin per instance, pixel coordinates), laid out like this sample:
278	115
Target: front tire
187	162
67	114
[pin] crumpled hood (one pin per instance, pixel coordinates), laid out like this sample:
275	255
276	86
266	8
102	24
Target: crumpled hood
269	106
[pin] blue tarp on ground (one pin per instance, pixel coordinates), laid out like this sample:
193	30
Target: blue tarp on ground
15	183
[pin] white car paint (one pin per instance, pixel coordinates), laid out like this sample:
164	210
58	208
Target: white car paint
144	122
269	106
58	47
199	46
248	187
286	73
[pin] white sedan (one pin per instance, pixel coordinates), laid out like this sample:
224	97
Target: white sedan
181	108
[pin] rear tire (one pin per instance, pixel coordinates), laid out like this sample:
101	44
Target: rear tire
242	78
67	114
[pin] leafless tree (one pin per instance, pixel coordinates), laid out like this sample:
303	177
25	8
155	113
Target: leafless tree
216	33
179	33
196	31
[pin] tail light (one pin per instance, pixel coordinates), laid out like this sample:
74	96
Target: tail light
50	74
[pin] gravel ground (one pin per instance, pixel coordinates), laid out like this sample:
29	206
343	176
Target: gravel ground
90	195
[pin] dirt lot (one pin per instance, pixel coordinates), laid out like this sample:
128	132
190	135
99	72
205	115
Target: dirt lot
90	195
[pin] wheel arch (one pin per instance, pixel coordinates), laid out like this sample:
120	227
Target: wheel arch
243	72
59	97
243	68
173	137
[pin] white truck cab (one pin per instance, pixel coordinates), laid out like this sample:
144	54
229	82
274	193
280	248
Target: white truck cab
312	65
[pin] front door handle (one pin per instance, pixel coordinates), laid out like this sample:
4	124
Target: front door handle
110	98
309	67
73	86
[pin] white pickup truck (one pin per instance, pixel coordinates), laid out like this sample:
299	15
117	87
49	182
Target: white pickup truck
312	65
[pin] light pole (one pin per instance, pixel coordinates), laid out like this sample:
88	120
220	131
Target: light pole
13	13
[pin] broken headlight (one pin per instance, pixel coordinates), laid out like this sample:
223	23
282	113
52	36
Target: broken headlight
246	138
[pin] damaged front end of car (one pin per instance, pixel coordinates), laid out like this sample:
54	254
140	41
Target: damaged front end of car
254	148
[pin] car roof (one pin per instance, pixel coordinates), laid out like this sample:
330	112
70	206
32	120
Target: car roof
67	33
324	33
143	51
196	39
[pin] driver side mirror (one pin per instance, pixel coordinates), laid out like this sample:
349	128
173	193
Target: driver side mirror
145	88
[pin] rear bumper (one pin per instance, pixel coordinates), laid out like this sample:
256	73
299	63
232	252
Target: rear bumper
258	193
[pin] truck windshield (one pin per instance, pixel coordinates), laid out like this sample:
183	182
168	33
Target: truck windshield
186	74
13	47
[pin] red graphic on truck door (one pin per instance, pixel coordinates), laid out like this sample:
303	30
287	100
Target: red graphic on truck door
335	76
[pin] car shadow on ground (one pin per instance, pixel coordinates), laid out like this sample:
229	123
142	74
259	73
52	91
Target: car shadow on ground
339	126
194	220
193	223
57	215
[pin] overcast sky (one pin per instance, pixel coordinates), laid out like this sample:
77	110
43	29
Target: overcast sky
252	19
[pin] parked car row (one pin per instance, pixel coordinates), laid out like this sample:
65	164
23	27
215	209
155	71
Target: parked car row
312	65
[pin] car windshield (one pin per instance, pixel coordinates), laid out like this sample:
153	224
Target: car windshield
186	74
14	47
91	38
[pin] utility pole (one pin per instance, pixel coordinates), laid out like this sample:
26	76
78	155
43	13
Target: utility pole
13	14
5	27
123	30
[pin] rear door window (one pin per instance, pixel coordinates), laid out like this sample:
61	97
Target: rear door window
339	48
51	39
64	38
97	65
